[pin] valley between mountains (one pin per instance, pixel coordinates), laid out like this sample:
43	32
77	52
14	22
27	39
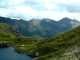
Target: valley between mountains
44	39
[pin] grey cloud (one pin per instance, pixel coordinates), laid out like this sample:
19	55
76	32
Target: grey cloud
17	15
73	8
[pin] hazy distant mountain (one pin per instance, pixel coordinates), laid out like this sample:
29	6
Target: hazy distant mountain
42	27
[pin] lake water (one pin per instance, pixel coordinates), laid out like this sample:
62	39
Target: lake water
9	54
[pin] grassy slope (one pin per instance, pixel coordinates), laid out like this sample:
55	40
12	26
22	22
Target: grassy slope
47	49
54	46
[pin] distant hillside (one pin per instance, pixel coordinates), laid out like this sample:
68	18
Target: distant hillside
42	27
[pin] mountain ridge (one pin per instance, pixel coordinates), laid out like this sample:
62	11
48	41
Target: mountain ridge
63	46
44	27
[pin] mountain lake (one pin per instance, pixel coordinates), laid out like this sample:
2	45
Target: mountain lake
9	54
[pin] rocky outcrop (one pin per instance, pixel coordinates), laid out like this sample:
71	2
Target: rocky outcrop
71	54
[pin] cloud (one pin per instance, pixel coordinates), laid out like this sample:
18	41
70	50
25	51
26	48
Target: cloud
28	9
69	5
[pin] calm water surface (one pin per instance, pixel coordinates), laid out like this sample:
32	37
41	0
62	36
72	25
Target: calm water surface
9	54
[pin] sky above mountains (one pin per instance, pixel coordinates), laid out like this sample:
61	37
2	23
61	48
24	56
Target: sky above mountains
28	9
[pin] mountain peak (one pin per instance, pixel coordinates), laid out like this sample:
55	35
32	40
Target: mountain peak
66	19
34	19
47	19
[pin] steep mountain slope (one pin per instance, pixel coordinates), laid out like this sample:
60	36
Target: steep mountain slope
42	27
64	46
8	29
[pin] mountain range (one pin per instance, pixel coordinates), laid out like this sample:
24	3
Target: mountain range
42	27
62	46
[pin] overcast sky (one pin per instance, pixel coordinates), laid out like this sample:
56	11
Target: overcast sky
28	9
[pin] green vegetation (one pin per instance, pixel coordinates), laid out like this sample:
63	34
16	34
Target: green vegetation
22	44
37	37
55	46
44	49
